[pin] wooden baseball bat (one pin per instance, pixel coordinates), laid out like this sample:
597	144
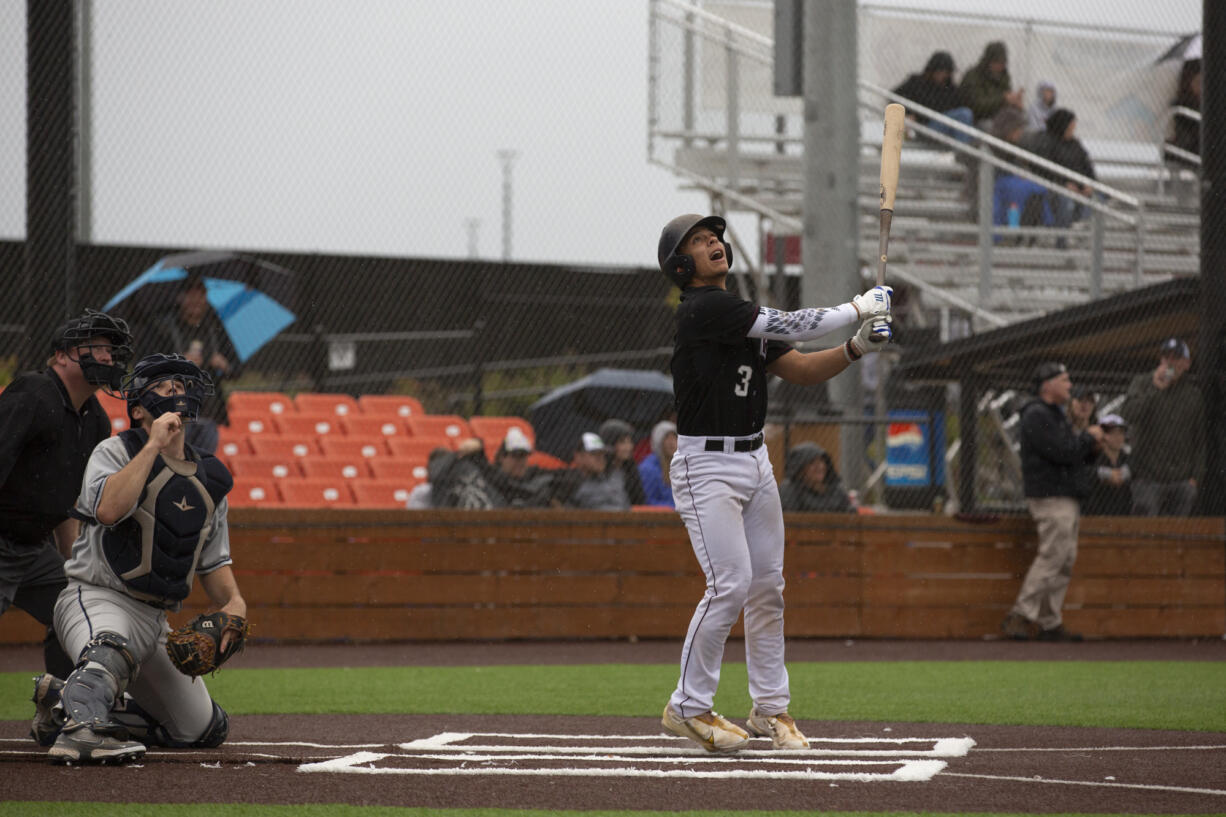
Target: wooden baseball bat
891	151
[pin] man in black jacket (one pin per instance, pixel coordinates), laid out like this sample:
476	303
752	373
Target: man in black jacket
1052	455
934	88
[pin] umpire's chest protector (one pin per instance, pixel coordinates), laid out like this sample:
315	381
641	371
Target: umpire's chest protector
154	551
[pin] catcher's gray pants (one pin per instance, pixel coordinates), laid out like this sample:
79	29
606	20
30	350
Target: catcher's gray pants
1042	593
182	706
730	505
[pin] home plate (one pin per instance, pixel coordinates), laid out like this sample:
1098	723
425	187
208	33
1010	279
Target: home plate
653	756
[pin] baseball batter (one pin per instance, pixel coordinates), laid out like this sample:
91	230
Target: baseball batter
155	519
722	480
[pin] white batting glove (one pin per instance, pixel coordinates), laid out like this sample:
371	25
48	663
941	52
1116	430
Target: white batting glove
874	334
875	303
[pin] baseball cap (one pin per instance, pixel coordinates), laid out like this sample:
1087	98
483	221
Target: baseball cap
1113	421
516	440
1174	347
1046	371
590	441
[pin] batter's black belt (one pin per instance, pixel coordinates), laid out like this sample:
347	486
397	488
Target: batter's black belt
718	444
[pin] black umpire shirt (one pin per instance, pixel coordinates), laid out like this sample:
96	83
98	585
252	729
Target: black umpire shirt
44	445
719	374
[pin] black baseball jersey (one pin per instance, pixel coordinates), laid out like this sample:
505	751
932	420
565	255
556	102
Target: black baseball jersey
719	374
44	445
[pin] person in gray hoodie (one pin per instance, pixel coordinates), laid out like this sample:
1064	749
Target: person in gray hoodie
811	482
1044	103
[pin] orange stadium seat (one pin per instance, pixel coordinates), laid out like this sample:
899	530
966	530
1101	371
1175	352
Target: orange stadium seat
274	467
381	493
435	425
284	447
116	409
254	491
258	402
381	405
251	425
304	426
492	430
337	405
316	493
402	469
335	445
330	467
358	425
231	443
418	448
542	460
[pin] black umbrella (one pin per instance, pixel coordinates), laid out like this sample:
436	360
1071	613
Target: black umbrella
641	398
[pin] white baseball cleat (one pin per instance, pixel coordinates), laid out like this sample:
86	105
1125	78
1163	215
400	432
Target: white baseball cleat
710	730
781	729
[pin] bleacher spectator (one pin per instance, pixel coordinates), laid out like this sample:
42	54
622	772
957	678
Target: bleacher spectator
1112	491
1011	190
422	495
653	470
1081	416
464	481
1044	103
520	484
194	330
618	437
1186	134
1059	144
588	483
934	88
1168	435
987	88
812	483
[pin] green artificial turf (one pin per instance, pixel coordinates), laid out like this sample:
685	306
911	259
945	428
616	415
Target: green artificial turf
1144	694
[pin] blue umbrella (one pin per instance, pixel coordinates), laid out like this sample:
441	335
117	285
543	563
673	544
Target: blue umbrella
250	316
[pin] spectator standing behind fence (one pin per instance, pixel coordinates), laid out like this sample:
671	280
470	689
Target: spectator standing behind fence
1112	491
986	88
1044	103
520	484
1081	416
1059	144
618	439
811	482
1168	431
653	470
934	88
1052	454
193	330
589	484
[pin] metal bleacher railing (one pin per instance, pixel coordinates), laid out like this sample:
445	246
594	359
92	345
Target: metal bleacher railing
746	155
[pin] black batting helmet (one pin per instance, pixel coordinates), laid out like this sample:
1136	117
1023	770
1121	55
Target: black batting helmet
153	369
678	267
77	333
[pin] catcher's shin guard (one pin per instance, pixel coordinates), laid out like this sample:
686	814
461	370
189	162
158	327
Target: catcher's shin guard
101	676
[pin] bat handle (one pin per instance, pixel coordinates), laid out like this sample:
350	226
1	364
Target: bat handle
883	244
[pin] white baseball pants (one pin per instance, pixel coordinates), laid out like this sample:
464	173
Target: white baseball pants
180	704
730	505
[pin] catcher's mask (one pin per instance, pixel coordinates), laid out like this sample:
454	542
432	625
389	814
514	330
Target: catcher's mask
79	336
139	389
680	267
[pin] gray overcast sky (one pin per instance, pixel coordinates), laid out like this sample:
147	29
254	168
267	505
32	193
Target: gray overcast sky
372	126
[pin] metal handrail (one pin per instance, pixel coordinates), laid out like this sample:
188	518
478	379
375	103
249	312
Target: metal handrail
1167	149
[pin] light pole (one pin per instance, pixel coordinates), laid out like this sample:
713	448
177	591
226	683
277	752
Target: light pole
507	157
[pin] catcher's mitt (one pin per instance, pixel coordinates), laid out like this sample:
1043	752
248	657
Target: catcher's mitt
195	648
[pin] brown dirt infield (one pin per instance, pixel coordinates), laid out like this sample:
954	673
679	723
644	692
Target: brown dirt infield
625	763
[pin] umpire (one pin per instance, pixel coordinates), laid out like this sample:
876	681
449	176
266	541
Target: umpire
50	421
1053	454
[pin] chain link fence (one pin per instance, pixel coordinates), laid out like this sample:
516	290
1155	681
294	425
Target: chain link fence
983	297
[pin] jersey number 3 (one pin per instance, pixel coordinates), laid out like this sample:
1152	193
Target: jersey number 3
741	389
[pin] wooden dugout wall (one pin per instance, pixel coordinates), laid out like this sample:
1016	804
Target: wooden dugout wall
333	575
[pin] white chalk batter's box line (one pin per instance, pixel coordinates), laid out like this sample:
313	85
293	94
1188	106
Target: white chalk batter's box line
830	759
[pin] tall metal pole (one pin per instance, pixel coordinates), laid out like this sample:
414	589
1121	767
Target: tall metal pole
473	226
507	157
832	169
1211	346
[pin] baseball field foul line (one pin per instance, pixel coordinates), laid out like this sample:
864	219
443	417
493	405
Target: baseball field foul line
1095	783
